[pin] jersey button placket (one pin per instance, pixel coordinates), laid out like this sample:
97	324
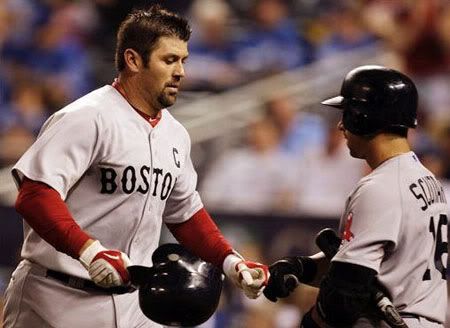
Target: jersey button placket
154	152
153	136
135	239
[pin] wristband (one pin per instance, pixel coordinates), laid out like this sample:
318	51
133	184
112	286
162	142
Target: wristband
230	262
89	253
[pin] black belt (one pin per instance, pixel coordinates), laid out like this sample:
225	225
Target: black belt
87	285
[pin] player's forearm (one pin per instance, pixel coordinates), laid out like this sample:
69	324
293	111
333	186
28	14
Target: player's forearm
202	237
44	211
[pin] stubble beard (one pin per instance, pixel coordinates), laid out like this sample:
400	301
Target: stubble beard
166	100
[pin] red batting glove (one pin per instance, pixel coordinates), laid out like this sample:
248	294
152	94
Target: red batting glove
262	271
107	268
250	276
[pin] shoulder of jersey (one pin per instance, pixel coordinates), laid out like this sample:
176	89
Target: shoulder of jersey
92	103
105	103
377	186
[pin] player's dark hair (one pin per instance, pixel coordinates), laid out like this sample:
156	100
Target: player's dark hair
395	130
142	29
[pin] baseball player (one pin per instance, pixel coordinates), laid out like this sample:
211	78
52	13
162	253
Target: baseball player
394	226
103	176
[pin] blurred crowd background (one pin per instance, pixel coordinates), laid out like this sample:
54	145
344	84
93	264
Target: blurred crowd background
285	174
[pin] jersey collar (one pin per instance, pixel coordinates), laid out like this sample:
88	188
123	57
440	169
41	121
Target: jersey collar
153	121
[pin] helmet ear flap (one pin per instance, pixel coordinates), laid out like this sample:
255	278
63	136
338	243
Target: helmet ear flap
357	122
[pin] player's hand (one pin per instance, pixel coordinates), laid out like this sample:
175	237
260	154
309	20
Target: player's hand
285	275
107	268
250	276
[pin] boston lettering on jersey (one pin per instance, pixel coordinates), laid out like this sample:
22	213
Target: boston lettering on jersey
428	190
162	182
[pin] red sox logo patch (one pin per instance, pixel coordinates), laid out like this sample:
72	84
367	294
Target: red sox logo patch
348	234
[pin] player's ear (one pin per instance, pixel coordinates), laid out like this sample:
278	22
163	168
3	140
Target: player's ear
132	60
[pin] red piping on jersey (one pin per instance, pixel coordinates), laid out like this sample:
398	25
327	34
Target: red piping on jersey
43	209
153	121
201	236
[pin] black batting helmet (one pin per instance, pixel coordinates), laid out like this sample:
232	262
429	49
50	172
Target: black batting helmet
180	289
375	98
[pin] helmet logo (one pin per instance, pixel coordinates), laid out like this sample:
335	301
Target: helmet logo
173	257
348	234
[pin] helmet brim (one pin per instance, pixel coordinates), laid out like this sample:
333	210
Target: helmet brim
337	102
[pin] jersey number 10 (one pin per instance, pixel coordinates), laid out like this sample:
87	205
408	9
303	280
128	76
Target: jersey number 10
440	246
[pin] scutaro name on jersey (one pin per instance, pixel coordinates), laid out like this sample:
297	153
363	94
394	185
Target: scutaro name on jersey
138	179
428	191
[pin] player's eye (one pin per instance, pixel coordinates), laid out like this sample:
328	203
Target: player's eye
170	60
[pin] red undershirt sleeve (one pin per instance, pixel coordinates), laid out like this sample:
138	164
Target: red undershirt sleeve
202	237
43	209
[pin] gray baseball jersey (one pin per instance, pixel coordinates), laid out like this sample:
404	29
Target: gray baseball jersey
119	176
395	222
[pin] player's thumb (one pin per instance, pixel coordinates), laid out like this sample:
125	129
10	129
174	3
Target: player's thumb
244	272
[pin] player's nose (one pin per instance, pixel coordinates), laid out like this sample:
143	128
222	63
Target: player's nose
179	71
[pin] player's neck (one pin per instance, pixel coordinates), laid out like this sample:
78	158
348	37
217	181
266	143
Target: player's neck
130	91
385	146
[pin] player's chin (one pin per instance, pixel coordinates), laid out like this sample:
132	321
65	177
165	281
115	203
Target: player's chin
355	154
168	99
